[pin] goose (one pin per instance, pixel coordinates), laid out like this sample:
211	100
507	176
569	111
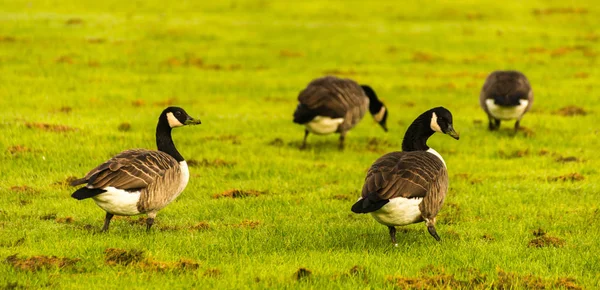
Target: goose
140	181
409	186
506	95
334	105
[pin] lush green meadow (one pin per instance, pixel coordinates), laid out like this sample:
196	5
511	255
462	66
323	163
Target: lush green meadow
83	80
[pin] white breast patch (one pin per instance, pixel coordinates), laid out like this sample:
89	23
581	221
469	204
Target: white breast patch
185	177
432	151
506	113
399	211
324	125
118	201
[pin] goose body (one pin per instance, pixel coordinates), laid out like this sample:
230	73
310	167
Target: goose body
140	181
409	186
506	95
334	105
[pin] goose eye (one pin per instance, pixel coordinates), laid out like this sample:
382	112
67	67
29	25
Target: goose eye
178	113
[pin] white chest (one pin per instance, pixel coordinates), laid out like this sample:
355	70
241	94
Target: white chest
185	176
399	212
432	151
118	201
506	113
323	125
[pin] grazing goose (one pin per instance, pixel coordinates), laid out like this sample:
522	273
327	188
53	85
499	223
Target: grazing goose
408	187
140	181
505	95
334	105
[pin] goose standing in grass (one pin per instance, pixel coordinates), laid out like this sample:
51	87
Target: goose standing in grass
408	187
506	95
334	105
140	181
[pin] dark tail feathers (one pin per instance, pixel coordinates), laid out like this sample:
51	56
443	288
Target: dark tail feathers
507	101
366	205
303	114
85	192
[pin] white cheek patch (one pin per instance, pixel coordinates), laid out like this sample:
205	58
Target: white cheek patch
173	122
379	116
434	124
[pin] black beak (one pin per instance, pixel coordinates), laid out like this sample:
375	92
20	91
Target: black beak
192	121
451	132
384	127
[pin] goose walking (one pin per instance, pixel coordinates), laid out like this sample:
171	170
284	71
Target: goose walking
334	105
140	181
408	187
506	95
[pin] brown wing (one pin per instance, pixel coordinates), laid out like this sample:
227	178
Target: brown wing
402	174
432	203
332	97
129	170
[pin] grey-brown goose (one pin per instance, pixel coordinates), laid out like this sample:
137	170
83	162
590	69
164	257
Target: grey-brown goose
140	181
335	105
407	187
506	95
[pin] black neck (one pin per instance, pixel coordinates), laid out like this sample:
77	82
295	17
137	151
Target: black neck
415	138
374	103
164	142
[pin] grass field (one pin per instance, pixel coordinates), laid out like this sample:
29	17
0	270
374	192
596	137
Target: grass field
83	80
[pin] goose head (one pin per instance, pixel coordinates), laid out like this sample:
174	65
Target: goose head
177	117
441	121
376	107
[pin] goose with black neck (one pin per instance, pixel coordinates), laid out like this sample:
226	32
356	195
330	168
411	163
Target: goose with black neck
409	186
140	181
335	105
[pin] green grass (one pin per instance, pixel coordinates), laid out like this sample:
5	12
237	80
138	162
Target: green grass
238	66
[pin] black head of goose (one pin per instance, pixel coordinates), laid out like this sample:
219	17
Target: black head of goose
140	181
506	95
407	187
335	105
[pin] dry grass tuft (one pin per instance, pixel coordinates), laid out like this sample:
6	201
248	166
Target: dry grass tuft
37	263
210	163
201	226
113	256
546	241
237	193
571	111
567	177
124	127
247	224
49	127
515	154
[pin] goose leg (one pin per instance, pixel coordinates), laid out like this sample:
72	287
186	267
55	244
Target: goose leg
493	124
150	221
393	235
303	146
107	219
517	125
342	138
